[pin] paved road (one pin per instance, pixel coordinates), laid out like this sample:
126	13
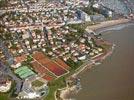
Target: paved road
5	51
6	70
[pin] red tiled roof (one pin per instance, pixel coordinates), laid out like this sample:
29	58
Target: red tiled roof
21	58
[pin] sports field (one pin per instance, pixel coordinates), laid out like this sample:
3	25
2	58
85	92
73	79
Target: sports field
24	72
57	67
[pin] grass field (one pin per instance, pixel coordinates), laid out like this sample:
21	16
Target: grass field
4	96
37	83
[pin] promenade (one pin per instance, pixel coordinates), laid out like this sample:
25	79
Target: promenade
107	24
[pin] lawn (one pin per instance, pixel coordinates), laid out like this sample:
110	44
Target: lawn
54	85
4	96
37	83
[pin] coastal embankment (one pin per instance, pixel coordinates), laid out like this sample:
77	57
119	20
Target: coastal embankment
113	78
89	63
86	66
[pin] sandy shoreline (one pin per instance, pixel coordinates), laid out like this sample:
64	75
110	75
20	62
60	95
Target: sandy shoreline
108	24
65	91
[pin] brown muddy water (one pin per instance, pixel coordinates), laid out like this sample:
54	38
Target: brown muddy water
114	78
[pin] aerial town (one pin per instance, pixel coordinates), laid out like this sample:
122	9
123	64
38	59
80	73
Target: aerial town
43	42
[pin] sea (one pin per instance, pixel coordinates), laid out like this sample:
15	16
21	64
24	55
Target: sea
114	78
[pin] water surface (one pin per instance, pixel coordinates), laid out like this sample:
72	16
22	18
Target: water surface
114	78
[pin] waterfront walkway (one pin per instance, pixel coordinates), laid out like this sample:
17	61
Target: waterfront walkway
107	24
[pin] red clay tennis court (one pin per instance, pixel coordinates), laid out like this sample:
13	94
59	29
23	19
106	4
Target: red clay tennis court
39	56
62	63
38	68
56	69
47	77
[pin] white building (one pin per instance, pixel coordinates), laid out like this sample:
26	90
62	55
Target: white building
5	85
85	16
82	57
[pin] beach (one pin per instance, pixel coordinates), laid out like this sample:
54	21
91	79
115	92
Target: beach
106	24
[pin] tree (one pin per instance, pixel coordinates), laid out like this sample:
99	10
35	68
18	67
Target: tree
3	3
